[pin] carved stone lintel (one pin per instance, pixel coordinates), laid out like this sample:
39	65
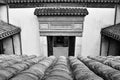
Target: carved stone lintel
61	33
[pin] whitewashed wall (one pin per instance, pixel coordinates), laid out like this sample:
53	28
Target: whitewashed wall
78	46
17	48
3	13
32	43
43	46
118	14
97	19
25	19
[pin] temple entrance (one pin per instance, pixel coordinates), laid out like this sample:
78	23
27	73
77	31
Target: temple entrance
60	41
61	45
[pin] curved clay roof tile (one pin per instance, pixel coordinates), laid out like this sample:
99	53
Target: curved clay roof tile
7	30
61	11
91	1
112	31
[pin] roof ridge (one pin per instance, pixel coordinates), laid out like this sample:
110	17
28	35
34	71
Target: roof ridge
62	7
72	1
47	11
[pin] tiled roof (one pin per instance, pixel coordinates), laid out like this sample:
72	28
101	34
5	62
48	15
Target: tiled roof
85	1
7	30
112	31
17	67
63	11
2	2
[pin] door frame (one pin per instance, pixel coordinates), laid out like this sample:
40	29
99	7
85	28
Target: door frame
71	45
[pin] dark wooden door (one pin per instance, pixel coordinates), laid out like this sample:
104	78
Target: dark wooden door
1	47
71	46
50	45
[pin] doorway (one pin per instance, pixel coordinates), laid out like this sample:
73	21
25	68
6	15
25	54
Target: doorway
61	45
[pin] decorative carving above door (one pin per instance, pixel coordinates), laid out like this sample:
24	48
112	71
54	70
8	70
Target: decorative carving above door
63	21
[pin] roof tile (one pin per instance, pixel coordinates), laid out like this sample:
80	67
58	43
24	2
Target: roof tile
30	1
112	31
66	11
7	30
2	2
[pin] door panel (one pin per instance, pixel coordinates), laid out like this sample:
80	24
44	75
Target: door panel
71	46
50	45
1	47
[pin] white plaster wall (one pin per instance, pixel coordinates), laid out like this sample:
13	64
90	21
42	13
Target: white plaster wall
25	19
3	13
16	41
97	19
43	45
78	46
32	43
118	14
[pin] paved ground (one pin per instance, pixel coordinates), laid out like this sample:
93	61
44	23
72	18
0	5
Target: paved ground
60	51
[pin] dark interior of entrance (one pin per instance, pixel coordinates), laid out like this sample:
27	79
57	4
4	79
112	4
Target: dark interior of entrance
113	47
1	47
61	41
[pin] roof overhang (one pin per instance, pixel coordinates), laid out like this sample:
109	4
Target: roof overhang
61	21
63	1
82	3
7	30
112	32
62	11
2	2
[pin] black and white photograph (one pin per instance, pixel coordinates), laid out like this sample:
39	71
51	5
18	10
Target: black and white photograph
59	39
